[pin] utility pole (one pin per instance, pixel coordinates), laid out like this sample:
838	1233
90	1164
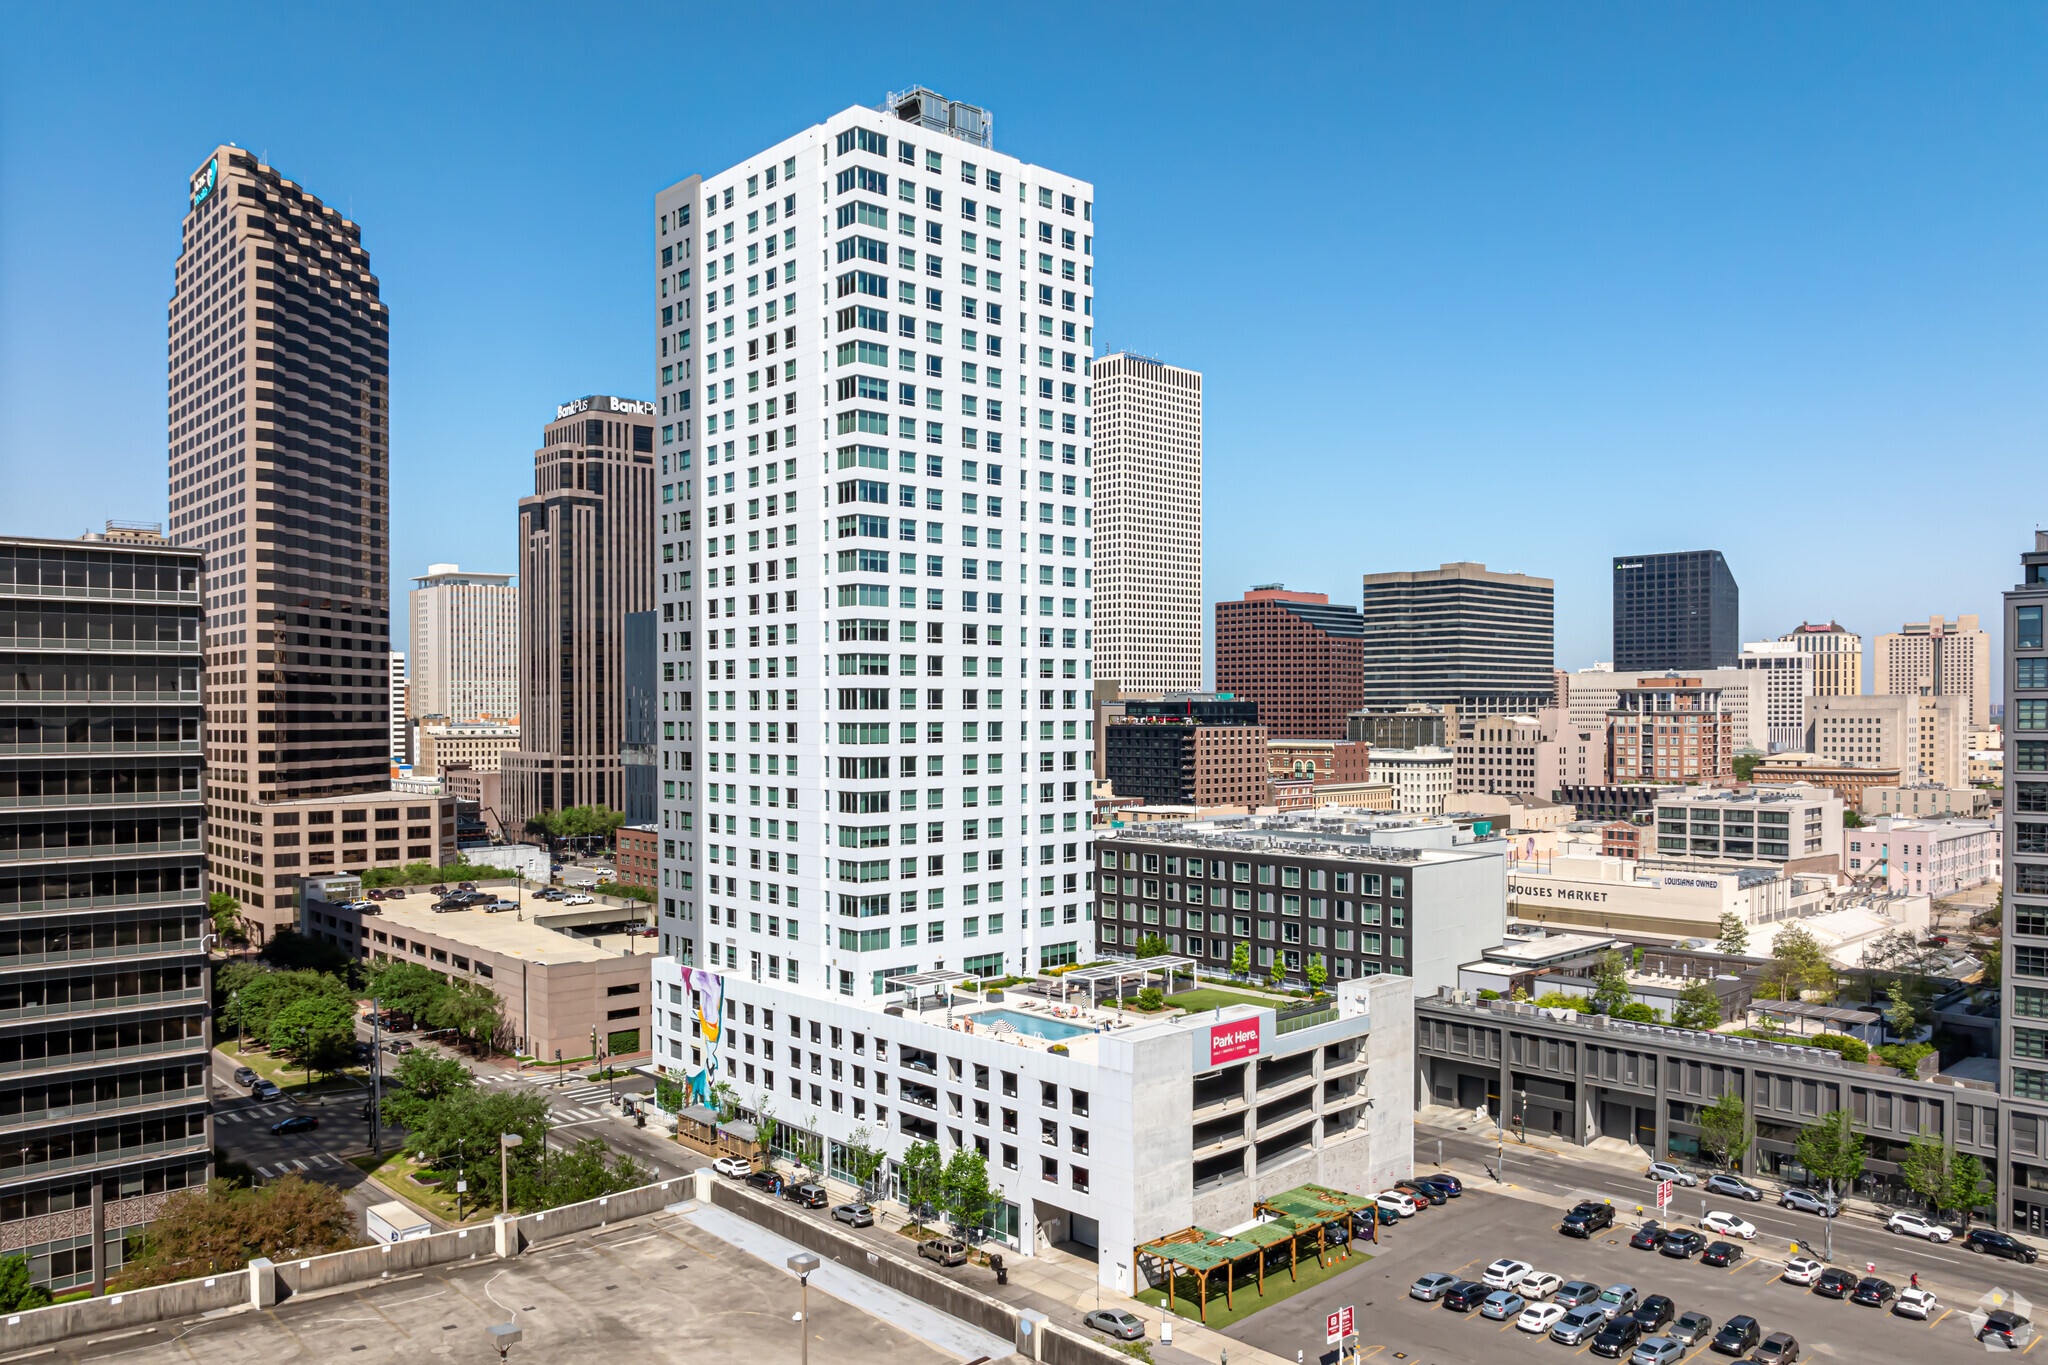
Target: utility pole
377	1077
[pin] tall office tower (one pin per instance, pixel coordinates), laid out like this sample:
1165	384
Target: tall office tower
104	965
585	562
1788	688
401	732
2023	1186
1937	658
1148	524
465	645
279	350
887	587
1296	655
1837	658
1464	636
1675	611
640	720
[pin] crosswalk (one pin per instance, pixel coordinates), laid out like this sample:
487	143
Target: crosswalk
294	1166
577	1103
266	1114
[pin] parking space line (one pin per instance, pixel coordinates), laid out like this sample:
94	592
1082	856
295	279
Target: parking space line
263	1171
1944	1313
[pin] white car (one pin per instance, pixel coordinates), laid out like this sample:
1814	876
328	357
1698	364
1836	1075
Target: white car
1915	1225
1539	1317
577	900
1395	1202
1802	1270
1728	1225
1664	1170
1538	1284
1505	1273
1915	1303
733	1166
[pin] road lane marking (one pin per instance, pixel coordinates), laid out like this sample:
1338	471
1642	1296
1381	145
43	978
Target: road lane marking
263	1171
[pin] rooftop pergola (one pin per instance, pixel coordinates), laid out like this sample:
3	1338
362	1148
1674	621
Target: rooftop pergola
1801	1009
915	985
1168	964
1295	1214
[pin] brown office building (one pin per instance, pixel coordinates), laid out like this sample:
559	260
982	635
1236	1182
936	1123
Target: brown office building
1295	654
278	470
586	560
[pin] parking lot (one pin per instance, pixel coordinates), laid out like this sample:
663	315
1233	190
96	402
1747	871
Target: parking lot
1462	1237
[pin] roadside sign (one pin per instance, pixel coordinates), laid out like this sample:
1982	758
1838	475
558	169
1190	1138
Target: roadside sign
1339	1324
1663	1194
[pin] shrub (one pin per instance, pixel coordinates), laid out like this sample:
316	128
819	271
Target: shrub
1904	1056
1489	995
1636	1012
1852	1049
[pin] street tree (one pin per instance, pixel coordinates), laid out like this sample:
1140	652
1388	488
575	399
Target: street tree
1832	1151
863	1158
967	1194
1734	933
217	1228
317	1032
766	1125
1724	1129
16	1293
1967	1189
1925	1169
423	1080
411	989
471	1120
1698	1006
226	913
589	1170
923	1179
473	1010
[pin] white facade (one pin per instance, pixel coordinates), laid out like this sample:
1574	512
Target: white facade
875	552
1788	685
1423	779
1133	1132
465	644
1764	825
1745	698
1148	503
401	747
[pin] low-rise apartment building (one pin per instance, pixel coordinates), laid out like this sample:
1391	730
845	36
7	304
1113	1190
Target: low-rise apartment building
1797	826
1670	729
1423	779
1926	801
1930	857
638	856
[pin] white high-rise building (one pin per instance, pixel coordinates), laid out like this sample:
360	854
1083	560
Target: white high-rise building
465	645
1148	544
401	735
875	535
1788	671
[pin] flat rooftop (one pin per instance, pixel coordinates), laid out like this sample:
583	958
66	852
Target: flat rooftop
1322	836
504	932
1540	952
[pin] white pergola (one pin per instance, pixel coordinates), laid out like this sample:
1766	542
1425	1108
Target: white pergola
1167	964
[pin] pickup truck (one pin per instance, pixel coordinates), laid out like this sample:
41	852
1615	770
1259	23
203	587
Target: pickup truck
1587	1219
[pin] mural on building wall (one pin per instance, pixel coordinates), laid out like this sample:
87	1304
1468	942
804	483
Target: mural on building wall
707	991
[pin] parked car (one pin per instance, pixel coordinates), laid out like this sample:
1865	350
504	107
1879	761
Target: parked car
1654	1312
1734	1185
2003	1325
1692	1328
1682	1243
1721	1253
297	1123
245	1076
1913	1225
733	1166
1618	1300
1538	1284
859	1215
768	1182
577	900
1420	1192
1802	1270
1506	1273
1618	1338
438	889
1442	1184
1834	1283
396	893
1432	1286
1657	1351
1397	1201
1989	1243
265	1090
809	1196
1872	1292
1736	1336
1587	1219
1574	1293
1117	1323
943	1250
1779	1348
1540	1318
1649	1236
1502	1304
1915	1303
1804	1201
1664	1170
1578	1324
1728	1225
1465	1295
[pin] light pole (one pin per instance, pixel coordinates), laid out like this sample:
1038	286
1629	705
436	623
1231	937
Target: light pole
506	1142
235	1004
458	1178
803	1263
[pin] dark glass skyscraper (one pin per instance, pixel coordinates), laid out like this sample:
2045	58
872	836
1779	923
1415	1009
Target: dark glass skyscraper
1678	610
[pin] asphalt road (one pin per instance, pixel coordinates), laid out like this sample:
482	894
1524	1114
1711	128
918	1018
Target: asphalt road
1463	1236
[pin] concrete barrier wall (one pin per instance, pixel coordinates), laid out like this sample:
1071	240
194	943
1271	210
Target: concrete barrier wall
380	1260
114	1312
573	1218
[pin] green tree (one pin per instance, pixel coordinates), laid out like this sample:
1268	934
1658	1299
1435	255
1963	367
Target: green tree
586	1171
1317	973
1241	960
862	1158
226	913
922	1179
16	1293
1724	1129
1967	1189
423	1080
316	1031
1745	764
1151	998
1993	958
289	950
411	989
1832	1150
1850	819
1698	1006
1925	1169
1798	963
1276	975
472	1120
473	1010
766	1126
967	1193
1636	1012
216	1228
1610	983
1734	933
1151	945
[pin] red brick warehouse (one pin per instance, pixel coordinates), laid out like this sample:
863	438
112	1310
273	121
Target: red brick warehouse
1299	657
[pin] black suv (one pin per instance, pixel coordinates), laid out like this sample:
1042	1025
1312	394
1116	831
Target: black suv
1654	1312
1989	1243
1587	1219
810	1196
1736	1336
1466	1296
1618	1338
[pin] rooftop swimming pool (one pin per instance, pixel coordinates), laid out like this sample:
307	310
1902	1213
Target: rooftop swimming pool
1032	1024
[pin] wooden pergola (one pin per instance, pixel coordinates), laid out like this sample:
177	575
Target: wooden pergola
1292	1216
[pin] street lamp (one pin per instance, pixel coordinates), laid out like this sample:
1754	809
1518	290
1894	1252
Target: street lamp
503	1337
803	1263
506	1142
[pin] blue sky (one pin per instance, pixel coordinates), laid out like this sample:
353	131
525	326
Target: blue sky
1531	285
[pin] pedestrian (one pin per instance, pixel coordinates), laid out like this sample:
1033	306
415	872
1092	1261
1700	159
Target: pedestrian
1916	1279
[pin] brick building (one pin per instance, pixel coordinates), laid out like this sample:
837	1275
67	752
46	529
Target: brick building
639	856
1301	658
